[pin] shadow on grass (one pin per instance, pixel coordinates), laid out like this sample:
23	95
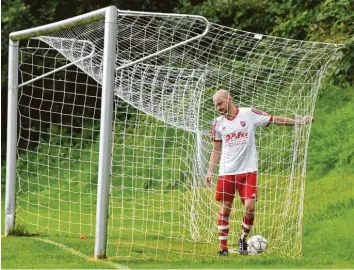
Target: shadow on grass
21	230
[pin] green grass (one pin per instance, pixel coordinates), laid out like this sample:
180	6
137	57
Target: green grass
19	252
25	252
327	240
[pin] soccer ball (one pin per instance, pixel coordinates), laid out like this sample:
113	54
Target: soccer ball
256	244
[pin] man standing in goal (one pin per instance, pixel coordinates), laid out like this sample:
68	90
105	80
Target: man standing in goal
233	134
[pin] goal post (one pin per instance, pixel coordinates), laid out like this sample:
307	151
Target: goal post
112	141
110	15
109	58
12	100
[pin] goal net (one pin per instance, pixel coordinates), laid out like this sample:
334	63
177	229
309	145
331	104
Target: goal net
167	69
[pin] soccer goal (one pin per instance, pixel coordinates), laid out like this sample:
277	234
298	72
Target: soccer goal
109	117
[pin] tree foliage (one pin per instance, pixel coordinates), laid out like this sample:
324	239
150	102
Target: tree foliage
317	20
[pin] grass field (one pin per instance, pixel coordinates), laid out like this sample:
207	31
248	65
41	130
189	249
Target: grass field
327	240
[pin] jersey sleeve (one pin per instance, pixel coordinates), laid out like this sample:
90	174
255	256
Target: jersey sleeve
215	135
261	118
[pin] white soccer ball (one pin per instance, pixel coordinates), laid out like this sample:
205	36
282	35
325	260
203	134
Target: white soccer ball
256	244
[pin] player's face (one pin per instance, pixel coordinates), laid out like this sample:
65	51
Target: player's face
221	105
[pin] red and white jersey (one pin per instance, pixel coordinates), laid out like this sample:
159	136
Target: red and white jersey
239	153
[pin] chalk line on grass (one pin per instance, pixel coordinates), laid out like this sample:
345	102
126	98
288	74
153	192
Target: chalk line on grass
78	253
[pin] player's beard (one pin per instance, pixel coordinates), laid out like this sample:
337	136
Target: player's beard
223	112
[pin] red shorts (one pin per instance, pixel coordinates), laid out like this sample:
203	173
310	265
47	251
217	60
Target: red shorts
245	183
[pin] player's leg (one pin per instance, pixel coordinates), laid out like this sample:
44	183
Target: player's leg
248	218
247	188
225	193
223	225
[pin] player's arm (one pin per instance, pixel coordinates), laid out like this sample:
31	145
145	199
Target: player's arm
280	120
214	161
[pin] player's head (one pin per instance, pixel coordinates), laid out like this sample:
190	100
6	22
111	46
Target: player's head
222	101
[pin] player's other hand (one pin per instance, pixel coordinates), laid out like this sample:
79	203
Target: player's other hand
307	120
208	179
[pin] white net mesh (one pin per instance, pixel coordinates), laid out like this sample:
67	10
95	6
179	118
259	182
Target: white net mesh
163	110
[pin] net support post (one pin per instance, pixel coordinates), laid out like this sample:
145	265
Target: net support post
11	137
105	147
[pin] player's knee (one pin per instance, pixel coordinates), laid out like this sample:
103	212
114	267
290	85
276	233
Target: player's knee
227	204
250	207
226	207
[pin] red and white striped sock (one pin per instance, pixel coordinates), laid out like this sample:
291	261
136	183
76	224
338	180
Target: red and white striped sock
223	229
247	225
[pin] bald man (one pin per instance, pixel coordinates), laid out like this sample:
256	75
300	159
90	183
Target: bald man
234	149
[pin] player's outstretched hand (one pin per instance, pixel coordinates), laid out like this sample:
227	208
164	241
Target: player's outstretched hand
208	179
307	120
